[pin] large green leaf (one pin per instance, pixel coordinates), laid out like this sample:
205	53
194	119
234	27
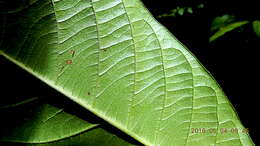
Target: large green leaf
113	58
38	123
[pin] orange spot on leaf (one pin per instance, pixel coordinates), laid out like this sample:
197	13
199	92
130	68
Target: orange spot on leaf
69	61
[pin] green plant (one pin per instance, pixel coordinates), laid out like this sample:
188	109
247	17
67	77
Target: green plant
114	59
180	11
224	29
256	26
226	23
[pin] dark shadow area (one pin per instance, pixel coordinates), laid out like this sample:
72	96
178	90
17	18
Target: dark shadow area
232	59
7	6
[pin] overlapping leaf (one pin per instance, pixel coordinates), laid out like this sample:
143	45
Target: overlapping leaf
37	123
113	58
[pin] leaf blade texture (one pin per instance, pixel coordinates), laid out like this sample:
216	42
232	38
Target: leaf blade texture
113	58
37	123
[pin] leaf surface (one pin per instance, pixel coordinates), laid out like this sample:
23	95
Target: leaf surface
38	123
113	58
256	26
222	21
225	29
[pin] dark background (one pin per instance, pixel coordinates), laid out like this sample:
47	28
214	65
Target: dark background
232	59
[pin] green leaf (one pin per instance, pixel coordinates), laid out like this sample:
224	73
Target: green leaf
179	11
225	29
113	58
39	123
6	106
256	26
221	21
